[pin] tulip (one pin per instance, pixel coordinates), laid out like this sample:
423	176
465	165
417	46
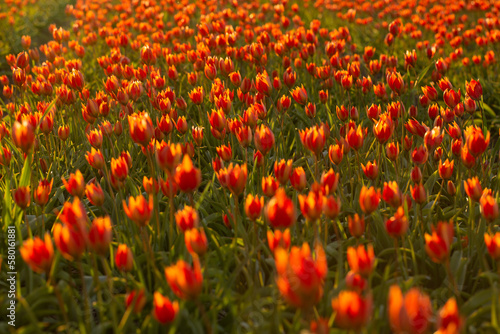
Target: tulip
22	197
196	241
38	253
280	211
356	225
164	311
355	138
474	89
473	188
299	94
438	244
410	313
70	241
450	320
42	192
269	186
139	210
124	259
492	242
282	171
264	139
187	177
361	260
23	135
489	207
184	280
369	199
391	194
100	235
300	276
278	239
298	179
311	204
352	310
397	225
187	218
253	206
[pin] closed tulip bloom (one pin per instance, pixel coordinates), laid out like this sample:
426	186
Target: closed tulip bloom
451	97
187	218
418	193
369	199
124	259
475	141
141	128
282	171
70	241
370	170
236	178
489	206
164	311
100	235
94	193
331	206
314	139
119	168
445	169
391	194
356	225
196	241
473	188
474	89
298	179
184	280
22	197
420	155
300	275
299	94
355	137
280	211
438	244
383	128
410	313
397	225
168	156
38	253
42	192
492	242
311	204
361	260
449	318
329	181
139	210
23	135
254	206
187	177
75	184
396	82
353	310
5	155
95	158
269	186
150	185
264	139
335	153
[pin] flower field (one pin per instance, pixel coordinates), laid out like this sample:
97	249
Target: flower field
250	166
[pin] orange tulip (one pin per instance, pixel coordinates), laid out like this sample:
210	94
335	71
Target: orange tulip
300	275
410	313
445	169
42	192
353	311
311	204
38	253
124	259
370	170
168	156
356	225
187	218
75	184
22	197
329	181
236	178
391	194
280	211
23	135
264	139
100	235
269	186
397	225
141	128
473	188
139	210
282	171
196	241
187	177
184	280
95	158
253	206
493	245
450	320
164	311
475	141
94	193
438	244
70	241
369	199
298	179
355	137
361	260
488	206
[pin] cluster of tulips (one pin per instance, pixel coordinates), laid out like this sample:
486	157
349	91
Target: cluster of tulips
227	166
